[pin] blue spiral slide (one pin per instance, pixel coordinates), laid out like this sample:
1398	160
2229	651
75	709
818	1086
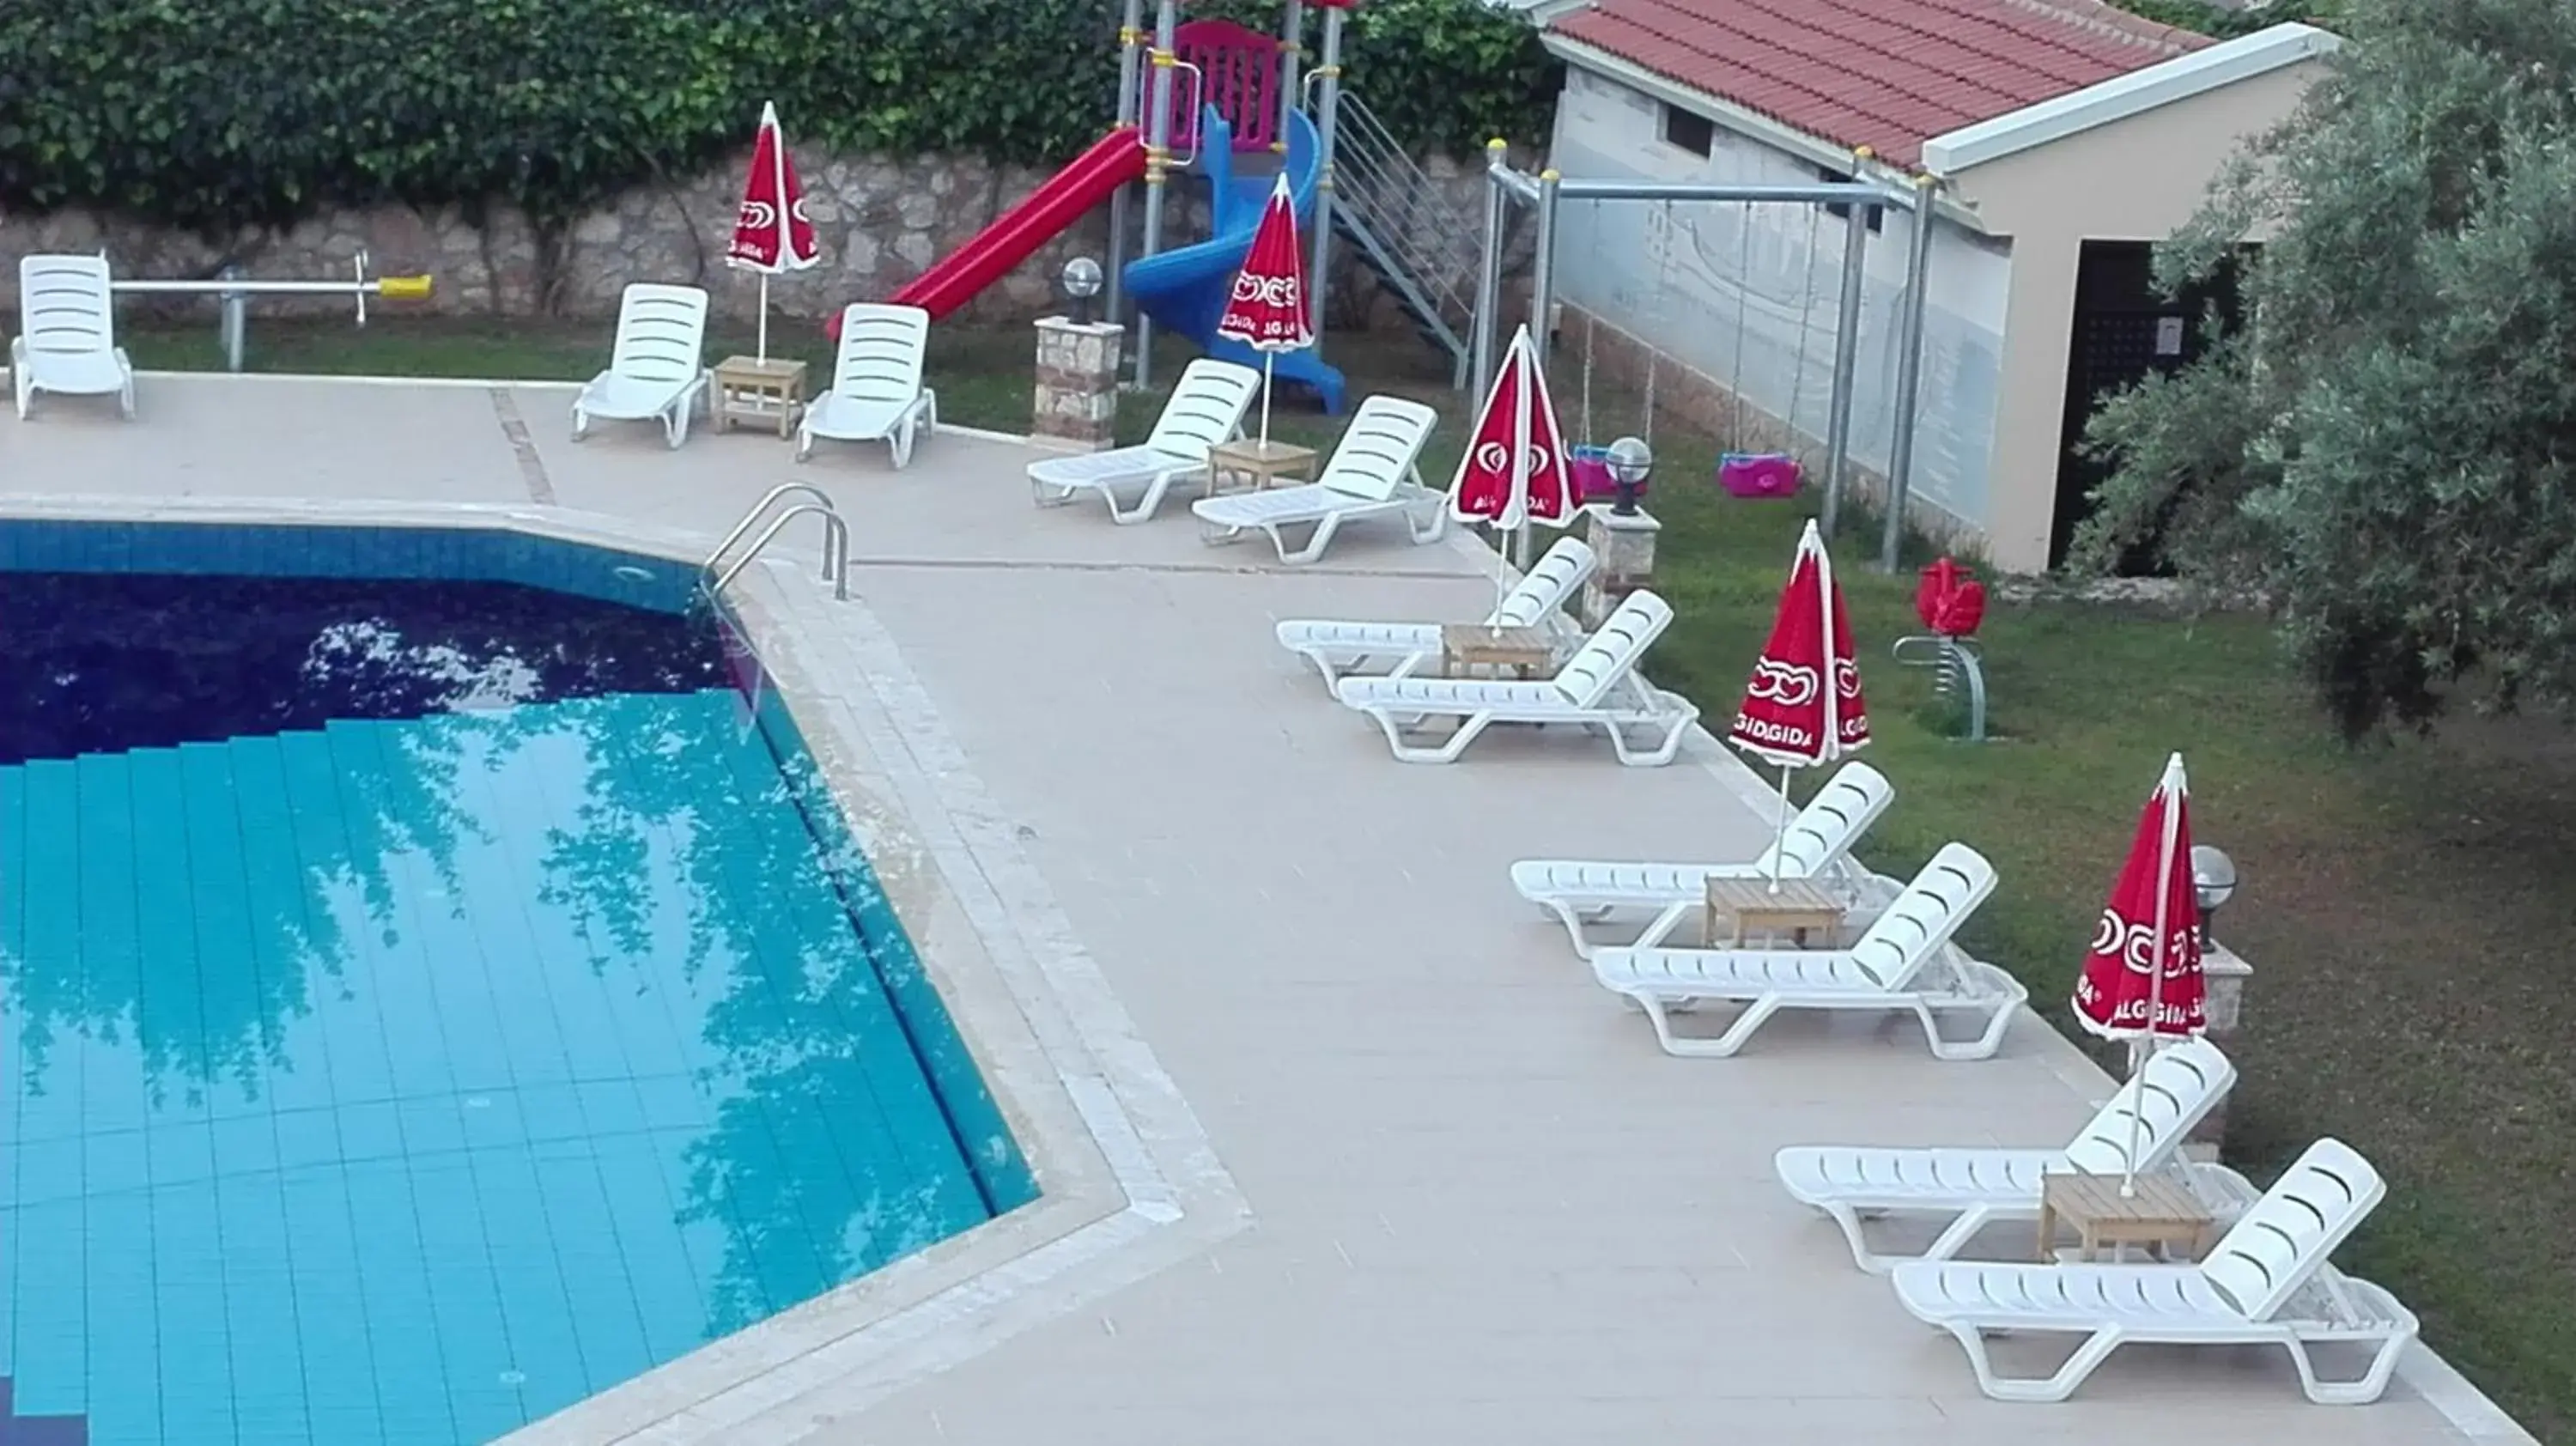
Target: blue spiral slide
1185	291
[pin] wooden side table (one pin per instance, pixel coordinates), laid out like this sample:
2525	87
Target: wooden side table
2161	1212
768	392
1753	906
1465	646
1253	464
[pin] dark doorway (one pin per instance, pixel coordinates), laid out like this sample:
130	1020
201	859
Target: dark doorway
2123	331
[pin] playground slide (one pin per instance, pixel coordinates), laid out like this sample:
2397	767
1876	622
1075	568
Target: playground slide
1085	182
1185	291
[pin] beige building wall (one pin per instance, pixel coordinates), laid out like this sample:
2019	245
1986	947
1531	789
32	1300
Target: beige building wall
2136	179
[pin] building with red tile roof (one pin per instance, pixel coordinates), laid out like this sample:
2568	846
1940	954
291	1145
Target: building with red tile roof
1886	74
2060	139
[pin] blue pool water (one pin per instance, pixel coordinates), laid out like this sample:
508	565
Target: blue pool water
407	1077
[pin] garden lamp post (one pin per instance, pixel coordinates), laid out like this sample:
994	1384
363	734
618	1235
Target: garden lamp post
2213	882
1629	460
1082	281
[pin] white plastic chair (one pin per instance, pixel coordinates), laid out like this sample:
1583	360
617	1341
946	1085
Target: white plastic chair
2267	1282
1597	687
66	340
1206	408
1889	969
876	393
1977	1186
1584	893
1337	648
1372	473
657	367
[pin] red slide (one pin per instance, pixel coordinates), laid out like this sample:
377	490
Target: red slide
952	281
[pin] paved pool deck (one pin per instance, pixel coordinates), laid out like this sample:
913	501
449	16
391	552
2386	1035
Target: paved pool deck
1341	1142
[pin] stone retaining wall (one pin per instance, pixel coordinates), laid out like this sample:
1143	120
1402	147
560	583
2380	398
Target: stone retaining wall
882	221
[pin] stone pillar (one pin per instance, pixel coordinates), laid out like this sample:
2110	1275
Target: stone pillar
1625	547
2225	1011
1077	392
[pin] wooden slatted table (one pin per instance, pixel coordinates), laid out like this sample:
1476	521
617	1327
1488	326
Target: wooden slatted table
1251	464
1466	646
768	392
2161	1212
1739	906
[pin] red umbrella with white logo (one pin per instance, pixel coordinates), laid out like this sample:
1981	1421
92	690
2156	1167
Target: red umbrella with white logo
770	232
1515	470
2142	978
1802	707
1267	309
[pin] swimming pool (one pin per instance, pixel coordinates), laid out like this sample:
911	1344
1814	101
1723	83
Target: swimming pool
436	991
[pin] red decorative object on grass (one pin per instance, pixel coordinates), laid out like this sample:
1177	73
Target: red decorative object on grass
1950	600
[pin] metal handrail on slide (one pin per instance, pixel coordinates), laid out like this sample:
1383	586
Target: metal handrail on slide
836	538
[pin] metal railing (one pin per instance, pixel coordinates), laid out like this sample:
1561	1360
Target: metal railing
1425	247
836	539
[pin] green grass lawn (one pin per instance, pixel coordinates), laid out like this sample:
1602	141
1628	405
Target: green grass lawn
2401	903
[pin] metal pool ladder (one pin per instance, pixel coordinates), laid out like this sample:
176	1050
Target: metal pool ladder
836	539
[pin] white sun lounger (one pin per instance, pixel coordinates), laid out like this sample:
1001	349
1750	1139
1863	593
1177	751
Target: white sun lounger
66	341
1979	1186
1206	408
1338	648
1582	893
2268	1282
1371	474
1596	688
657	368
1891	967
876	394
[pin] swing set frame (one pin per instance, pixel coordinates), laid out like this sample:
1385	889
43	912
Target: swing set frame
1547	191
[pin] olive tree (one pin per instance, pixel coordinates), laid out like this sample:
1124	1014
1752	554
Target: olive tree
2388	450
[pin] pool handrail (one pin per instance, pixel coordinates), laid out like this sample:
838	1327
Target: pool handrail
836	538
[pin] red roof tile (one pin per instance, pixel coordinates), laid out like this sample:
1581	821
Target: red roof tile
1887	74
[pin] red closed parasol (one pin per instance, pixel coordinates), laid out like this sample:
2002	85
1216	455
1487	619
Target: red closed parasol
2142	978
1266	311
1802	707
770	231
1516	469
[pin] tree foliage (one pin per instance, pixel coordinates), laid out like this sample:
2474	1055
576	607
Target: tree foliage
2389	450
260	112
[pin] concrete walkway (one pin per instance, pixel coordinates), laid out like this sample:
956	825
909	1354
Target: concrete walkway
1342	1143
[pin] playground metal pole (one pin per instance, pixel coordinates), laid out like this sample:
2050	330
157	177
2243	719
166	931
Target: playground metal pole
1543	269
1292	45
1909	371
1542	309
1328	105
1131	39
1158	160
1489	273
1846	352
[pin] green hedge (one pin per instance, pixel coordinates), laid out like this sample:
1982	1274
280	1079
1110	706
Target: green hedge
205	114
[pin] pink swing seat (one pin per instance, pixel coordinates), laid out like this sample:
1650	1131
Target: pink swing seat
1588	467
1760	475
